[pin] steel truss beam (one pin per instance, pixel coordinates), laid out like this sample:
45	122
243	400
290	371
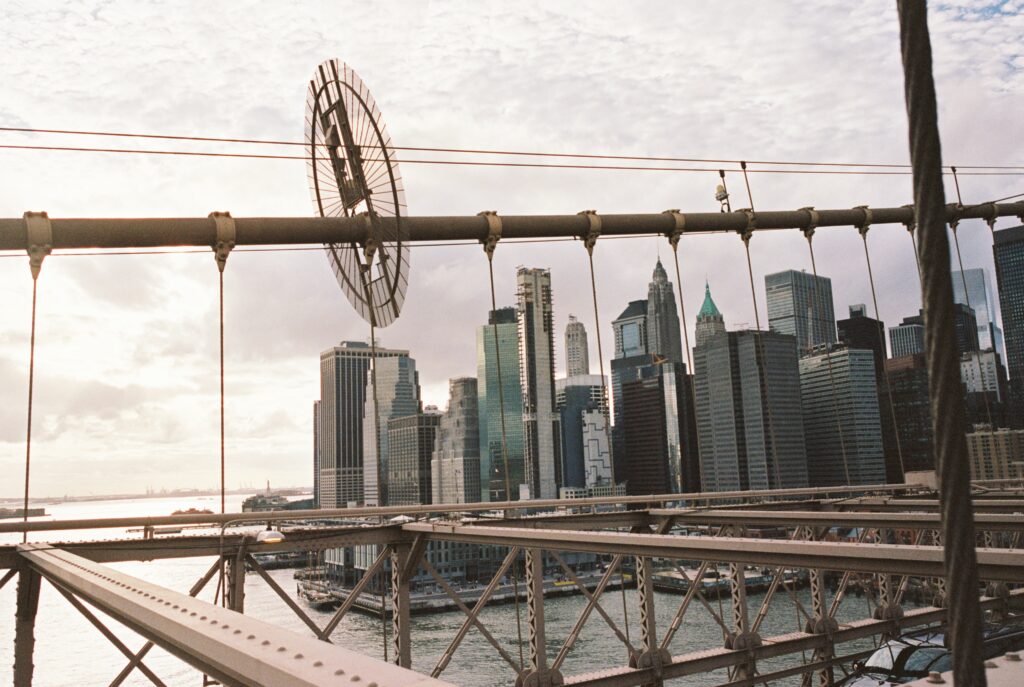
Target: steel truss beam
201	231
844	519
235	649
924	561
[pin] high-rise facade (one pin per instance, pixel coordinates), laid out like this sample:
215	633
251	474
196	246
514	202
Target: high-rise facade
316	454
397	394
996	454
343	376
630	330
842	423
978	295
455	465
660	453
749	414
573	397
867	333
800	305
982	372
410	448
663	333
597	451
1009	259
907	338
492	354
577	352
908	381
537	365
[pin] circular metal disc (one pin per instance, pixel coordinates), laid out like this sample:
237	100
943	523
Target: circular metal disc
352	170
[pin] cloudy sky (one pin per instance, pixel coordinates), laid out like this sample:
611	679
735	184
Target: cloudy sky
126	369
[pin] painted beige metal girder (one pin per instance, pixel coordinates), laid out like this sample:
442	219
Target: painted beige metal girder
993	564
234	648
908	521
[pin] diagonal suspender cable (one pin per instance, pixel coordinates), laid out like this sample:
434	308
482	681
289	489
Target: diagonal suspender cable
881	336
589	241
490	243
953	225
809	233
673	240
40	242
759	352
964	616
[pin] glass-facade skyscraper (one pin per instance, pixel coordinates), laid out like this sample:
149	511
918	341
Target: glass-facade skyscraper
492	463
1009	257
979	297
845	423
800	305
398	395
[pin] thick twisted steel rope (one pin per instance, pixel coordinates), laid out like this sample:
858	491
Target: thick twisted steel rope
964	632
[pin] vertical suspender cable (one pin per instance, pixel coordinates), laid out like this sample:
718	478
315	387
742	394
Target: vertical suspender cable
589	241
964	612
380	482
885	373
494	235
31	380
809	233
222	489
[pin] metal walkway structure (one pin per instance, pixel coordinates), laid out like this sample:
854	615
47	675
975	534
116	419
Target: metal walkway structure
784	530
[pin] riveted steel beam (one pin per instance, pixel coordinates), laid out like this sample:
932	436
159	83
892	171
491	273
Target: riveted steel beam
234	648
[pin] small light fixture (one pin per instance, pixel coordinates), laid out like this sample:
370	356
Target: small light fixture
269	536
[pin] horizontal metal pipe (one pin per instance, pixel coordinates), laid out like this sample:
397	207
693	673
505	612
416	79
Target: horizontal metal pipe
256	231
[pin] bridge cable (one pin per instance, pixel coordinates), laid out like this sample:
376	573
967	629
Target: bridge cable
953	224
28	431
759	352
943	363
589	241
490	244
377	458
673	240
816	297
881	340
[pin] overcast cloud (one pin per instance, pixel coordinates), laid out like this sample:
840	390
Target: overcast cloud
126	369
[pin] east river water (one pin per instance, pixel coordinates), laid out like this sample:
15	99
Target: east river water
71	653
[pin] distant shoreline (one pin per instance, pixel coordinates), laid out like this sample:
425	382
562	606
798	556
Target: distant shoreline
16	500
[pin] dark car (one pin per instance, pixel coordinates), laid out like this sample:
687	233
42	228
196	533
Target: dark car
914	655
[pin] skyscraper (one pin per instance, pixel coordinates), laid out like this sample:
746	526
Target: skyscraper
800	305
411	447
660	453
537	364
979	297
709	320
867	333
492	463
316	454
995	454
631	330
1009	258
398	395
597	452
908	380
842	424
573	397
455	466
749	414
343	376
577	353
907	338
663	334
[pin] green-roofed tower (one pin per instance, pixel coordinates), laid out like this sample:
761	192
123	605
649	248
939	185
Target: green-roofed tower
709	320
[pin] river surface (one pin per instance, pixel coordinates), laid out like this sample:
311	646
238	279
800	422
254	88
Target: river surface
71	653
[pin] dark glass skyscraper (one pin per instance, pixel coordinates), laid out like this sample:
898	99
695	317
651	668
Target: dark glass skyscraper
492	461
800	305
1009	257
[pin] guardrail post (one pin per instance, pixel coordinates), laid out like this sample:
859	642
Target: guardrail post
820	623
400	618
650	655
741	638
234	582
25	623
537	674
